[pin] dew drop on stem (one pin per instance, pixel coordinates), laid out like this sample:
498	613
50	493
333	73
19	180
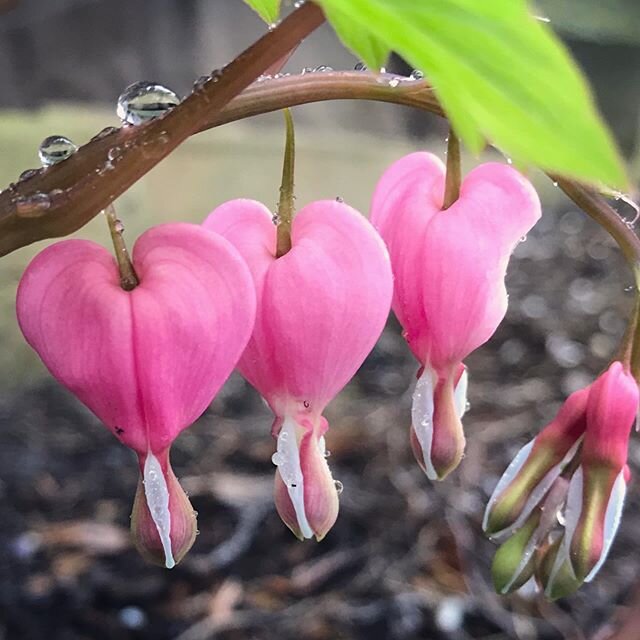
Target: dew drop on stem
55	149
142	101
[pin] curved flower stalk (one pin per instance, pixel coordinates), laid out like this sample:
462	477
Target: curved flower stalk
321	307
449	267
148	361
577	464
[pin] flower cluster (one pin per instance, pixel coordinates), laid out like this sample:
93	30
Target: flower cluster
558	505
298	324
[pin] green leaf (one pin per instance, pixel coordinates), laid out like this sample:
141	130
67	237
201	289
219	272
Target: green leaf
368	47
268	10
500	74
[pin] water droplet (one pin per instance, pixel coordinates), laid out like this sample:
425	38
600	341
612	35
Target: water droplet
118	227
629	288
107	131
360	66
200	82
32	206
509	160
306	404
542	18
339	199
276	458
323	68
416	74
339	486
55	149
29	173
383	70
307	70
272	26
298	4
327	453
394	82
523	238
142	101
555	184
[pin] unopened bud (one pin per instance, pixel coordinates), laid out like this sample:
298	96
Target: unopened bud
535	468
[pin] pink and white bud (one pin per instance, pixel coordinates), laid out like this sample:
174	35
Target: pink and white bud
598	489
163	522
449	268
305	492
535	468
437	438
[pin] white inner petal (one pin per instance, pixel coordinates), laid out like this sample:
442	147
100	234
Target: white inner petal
422	417
287	459
611	521
535	496
572	516
157	494
460	394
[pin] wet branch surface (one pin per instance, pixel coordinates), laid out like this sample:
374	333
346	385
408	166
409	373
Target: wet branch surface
62	198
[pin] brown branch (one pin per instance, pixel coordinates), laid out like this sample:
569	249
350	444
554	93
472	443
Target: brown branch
64	197
20	225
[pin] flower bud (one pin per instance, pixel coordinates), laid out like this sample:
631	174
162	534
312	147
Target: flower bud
554	572
305	493
598	489
514	562
437	438
535	468
163	522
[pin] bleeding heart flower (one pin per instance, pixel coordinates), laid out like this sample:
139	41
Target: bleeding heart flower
149	361
449	268
574	472
321	308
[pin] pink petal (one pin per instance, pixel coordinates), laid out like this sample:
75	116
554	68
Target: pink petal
449	266
146	362
322	306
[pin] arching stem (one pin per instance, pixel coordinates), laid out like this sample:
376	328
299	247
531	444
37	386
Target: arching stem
128	278
286	203
454	172
596	207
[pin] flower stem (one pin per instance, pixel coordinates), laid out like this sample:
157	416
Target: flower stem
596	207
128	278
286	206
454	173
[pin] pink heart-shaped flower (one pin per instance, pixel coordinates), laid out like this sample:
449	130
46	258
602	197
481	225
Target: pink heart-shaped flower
449	268
321	308
149	361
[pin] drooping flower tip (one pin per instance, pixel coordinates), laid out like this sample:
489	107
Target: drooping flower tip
437	438
163	522
305	492
535	468
574	472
